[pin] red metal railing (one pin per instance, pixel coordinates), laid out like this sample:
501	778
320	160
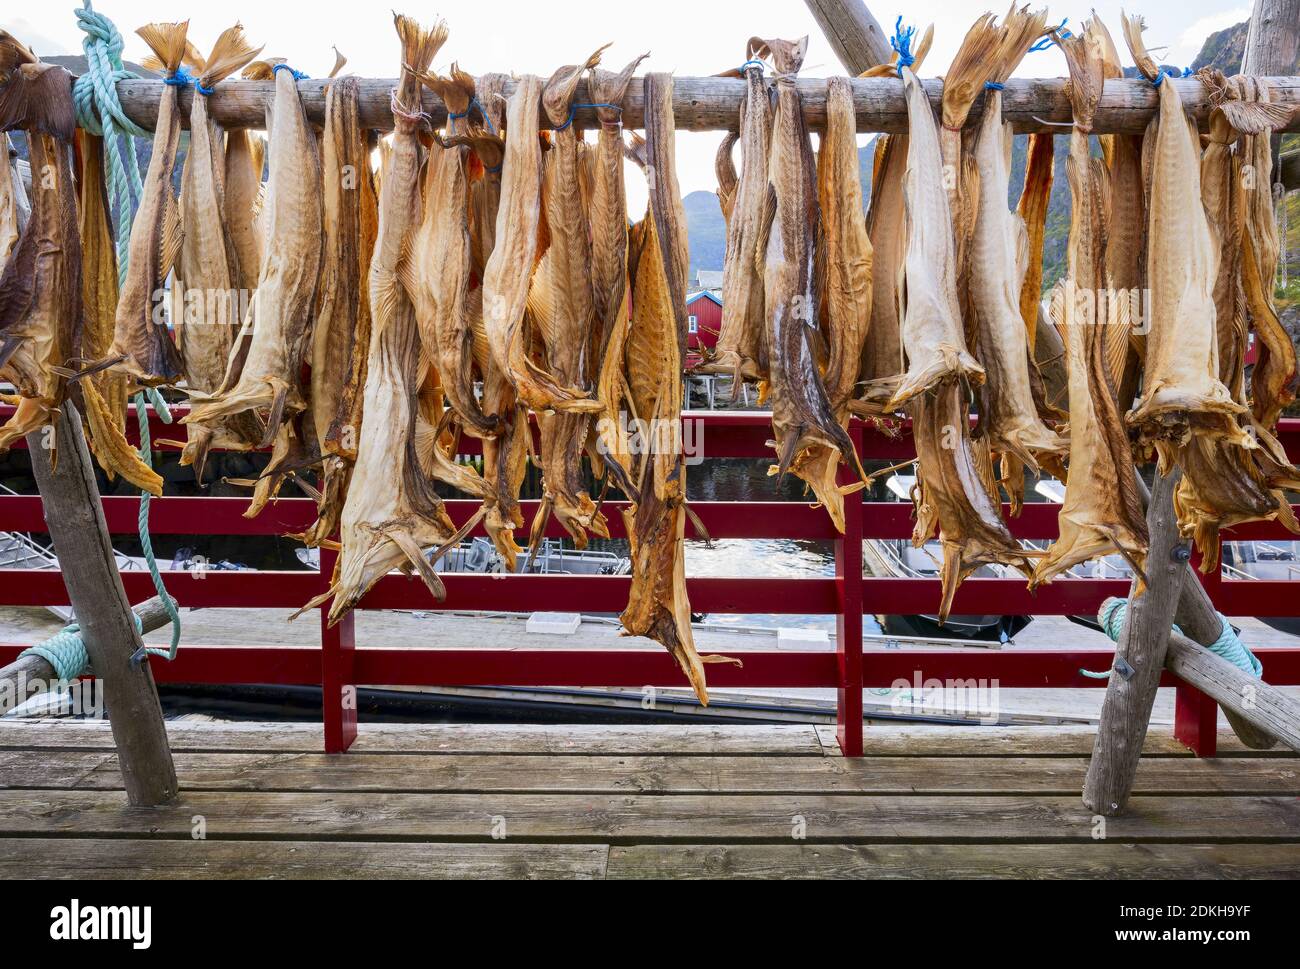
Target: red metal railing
337	664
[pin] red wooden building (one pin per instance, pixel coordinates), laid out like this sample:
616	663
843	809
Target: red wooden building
704	322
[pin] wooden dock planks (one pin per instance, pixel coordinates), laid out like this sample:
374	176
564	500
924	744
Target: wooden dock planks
458	801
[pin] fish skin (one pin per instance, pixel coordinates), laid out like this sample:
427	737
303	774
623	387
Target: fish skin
1102	512
741	349
999	257
931	325
847	260
801	410
271	376
1035	199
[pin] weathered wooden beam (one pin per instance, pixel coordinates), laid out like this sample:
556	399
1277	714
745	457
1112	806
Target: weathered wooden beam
713	103
1288	172
853	32
1265	710
81	541
29	675
1139	660
1273	41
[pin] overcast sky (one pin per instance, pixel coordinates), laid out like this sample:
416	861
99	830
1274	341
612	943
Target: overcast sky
688	37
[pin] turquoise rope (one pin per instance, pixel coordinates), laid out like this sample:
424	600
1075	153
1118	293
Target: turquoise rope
1228	646
66	652
100	113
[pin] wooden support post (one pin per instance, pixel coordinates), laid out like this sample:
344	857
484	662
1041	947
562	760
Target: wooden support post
1139	660
848	624
853	32
338	692
81	541
29	675
1263	708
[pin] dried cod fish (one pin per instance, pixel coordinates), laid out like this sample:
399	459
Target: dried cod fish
931	327
1181	390
847	258
40	286
392	512
609	277
564	313
742	348
509	270
142	347
952	498
999	259
207	299
270	378
1102	511
1224	485
1035	199
104	394
801	410
341	335
882	354
438	278
658	606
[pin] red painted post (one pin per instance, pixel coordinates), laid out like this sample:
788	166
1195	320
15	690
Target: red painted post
338	693
1196	720
848	623
1196	716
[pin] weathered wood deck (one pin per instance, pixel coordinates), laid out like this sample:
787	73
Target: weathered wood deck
637	802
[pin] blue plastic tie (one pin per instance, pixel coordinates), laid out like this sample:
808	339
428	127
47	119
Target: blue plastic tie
297	75
207	92
751	63
483	111
1164	72
901	42
182	78
994	86
493	170
1049	40
573	112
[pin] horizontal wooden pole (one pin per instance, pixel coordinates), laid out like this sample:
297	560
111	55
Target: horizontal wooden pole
713	103
1264	707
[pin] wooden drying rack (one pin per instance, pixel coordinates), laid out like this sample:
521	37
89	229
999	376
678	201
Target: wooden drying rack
713	103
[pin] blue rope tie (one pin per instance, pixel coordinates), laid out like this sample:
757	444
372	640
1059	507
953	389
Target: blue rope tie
493	170
297	75
207	92
1164	72
751	63
483	111
1049	40
573	111
182	78
67	653
901	42
1228	646
994	86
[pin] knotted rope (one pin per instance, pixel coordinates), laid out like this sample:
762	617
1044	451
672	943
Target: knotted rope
100	112
901	42
1228	646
